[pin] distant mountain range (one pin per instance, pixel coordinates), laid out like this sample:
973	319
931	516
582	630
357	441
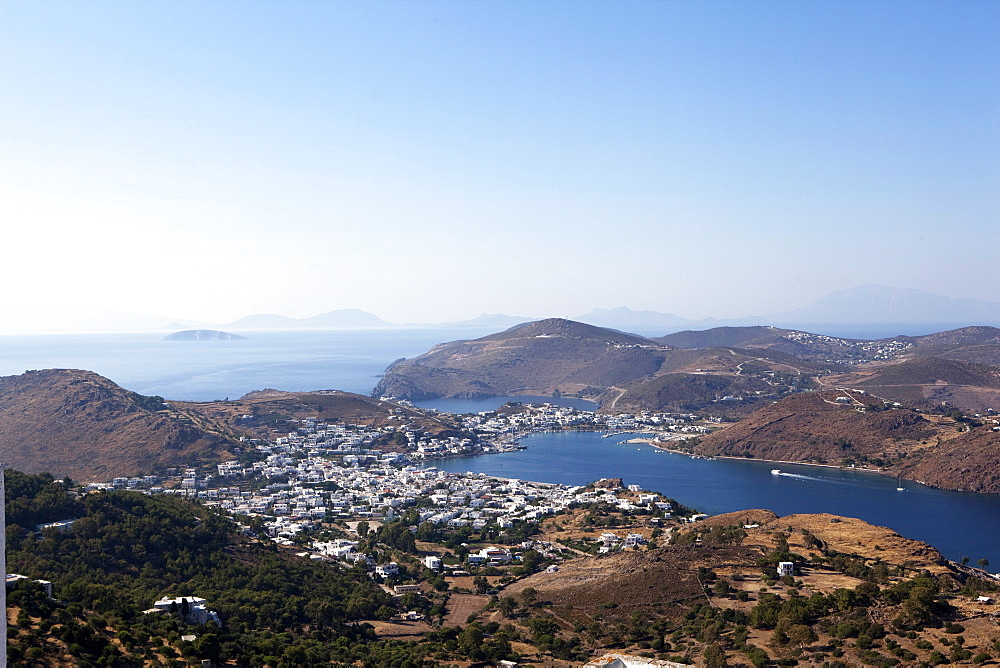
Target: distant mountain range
653	322
883	304
346	318
863	305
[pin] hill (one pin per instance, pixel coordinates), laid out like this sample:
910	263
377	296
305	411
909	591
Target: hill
268	413
79	424
831	352
979	345
849	427
969	462
533	358
828	427
724	336
929	382
712	596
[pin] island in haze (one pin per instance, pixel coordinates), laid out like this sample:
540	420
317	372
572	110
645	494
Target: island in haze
203	335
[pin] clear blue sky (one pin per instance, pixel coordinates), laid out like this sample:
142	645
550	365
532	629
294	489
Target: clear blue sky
434	160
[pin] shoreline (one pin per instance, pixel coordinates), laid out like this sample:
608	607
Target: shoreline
769	461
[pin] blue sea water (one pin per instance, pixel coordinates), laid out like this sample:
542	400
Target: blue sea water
207	370
957	523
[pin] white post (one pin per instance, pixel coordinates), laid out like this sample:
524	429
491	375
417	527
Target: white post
3	566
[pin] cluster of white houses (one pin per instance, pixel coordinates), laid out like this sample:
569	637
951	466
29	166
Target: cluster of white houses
382	491
332	471
327	471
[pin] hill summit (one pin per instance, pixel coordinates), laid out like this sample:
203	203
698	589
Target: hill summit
80	424
534	358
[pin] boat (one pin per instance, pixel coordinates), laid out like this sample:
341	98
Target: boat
775	471
899	485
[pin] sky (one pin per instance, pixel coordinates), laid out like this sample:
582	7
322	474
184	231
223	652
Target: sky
431	161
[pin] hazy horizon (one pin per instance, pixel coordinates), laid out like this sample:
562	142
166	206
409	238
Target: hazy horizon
431	161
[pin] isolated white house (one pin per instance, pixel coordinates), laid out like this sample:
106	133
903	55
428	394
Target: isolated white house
196	613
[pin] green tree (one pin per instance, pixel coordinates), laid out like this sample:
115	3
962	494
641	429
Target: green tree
507	605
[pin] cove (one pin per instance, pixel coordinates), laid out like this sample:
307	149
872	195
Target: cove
956	523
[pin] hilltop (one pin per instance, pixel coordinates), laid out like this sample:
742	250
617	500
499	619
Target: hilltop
929	382
533	358
79	424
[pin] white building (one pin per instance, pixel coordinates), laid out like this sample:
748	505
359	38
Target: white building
197	613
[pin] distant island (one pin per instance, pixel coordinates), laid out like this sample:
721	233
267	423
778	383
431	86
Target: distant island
203	335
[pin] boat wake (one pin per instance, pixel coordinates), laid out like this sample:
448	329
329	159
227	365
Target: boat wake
813	478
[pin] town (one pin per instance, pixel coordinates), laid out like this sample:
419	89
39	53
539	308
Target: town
324	473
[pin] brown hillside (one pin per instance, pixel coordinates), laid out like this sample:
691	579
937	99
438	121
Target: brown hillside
816	427
266	413
969	462
79	424
661	582
535	358
929	381
849	535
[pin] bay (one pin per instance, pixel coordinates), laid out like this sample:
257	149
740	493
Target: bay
957	523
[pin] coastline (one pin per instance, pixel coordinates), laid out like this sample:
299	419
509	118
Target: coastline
769	461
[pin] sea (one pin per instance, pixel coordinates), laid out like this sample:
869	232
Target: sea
959	524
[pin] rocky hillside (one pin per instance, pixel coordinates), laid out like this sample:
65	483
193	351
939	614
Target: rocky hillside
624	371
268	413
711	596
943	449
79	424
534	358
825	427
969	462
929	382
980	345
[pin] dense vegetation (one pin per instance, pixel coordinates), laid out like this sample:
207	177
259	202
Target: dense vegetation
127	550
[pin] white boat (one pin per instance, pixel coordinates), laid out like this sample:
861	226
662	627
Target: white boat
775	471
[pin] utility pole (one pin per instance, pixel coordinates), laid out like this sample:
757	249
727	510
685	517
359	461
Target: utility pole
3	565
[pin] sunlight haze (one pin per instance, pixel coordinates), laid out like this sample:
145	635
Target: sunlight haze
431	161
